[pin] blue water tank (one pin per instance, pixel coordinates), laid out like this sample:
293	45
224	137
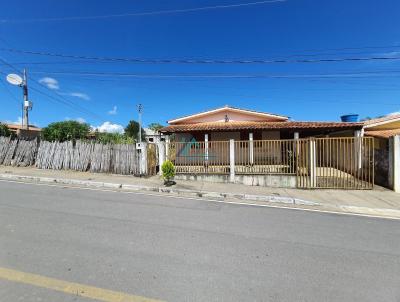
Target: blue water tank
349	118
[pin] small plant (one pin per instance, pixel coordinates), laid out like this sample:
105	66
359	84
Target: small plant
168	172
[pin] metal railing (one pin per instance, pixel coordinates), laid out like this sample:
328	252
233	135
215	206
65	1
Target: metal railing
346	163
264	157
200	157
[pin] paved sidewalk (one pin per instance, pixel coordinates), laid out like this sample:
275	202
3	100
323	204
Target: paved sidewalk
377	202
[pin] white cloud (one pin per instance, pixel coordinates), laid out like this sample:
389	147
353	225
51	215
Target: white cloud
394	113
113	111
109	127
51	83
391	54
80	95
17	122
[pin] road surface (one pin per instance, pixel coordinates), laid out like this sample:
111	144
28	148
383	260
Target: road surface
54	239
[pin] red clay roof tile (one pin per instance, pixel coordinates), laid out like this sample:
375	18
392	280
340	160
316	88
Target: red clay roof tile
383	133
244	125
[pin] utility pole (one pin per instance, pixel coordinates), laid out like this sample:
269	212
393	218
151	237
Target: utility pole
140	110
17	80
27	106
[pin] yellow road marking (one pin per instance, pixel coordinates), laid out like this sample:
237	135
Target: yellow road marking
82	290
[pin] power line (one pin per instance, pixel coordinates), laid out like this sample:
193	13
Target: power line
60	99
299	51
361	74
149	13
203	61
111	60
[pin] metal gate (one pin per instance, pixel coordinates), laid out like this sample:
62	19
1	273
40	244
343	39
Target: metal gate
335	163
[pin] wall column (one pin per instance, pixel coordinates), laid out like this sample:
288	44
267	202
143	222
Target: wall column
142	149
206	146
232	160
167	142
296	151
161	154
251	148
358	134
394	163
313	163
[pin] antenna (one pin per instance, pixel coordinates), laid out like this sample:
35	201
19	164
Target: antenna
17	80
140	110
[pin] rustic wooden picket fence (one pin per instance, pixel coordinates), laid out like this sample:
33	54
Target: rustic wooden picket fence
18	153
87	156
81	156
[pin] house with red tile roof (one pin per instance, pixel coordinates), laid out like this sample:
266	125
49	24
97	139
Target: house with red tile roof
235	123
230	144
21	132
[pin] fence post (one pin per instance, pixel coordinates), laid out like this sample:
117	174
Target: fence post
232	160
313	163
394	163
161	154
358	134
251	148
296	151
206	146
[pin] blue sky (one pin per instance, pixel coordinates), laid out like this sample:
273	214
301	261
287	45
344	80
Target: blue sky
310	28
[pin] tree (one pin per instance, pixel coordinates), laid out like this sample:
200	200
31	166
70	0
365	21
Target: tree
66	130
155	126
112	138
4	131
132	130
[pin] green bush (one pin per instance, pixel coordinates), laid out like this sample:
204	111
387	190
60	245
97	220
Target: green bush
113	138
168	171
155	126
4	131
66	130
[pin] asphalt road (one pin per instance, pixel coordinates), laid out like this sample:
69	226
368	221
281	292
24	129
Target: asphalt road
190	250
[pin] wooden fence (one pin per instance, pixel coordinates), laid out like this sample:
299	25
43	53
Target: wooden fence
18	153
86	156
81	156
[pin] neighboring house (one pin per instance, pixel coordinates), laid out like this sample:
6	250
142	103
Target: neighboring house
152	136
234	123
382	129
20	131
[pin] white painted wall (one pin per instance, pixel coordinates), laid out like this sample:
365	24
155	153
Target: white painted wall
233	116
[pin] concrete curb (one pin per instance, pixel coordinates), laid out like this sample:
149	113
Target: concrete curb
167	190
